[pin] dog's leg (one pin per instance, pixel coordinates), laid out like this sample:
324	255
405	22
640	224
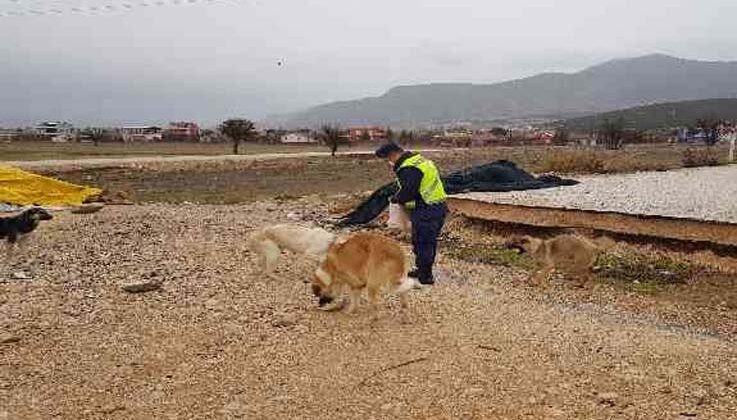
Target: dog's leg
270	253
373	293
354	296
583	277
9	250
403	288
542	275
22	242
11	245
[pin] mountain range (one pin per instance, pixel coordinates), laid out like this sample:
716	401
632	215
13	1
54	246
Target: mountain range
613	85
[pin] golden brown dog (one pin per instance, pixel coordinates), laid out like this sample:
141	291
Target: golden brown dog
572	254
362	261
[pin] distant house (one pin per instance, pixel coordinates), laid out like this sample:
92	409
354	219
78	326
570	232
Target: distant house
142	134
182	131
212	136
545	137
56	131
7	134
298	137
372	133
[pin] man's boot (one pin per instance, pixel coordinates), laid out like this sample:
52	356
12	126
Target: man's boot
425	277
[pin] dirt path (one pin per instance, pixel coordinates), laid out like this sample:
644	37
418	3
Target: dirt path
105	162
221	342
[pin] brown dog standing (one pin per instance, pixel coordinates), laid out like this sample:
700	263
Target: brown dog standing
362	261
572	254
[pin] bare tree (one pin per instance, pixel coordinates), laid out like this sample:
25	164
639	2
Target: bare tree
331	136
710	127
389	134
562	136
238	130
94	134
365	136
406	137
612	133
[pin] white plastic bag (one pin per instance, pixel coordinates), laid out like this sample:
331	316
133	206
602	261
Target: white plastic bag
398	218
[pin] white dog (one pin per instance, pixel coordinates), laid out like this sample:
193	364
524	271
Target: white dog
268	243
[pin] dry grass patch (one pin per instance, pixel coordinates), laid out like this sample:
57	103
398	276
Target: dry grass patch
569	162
643	273
694	158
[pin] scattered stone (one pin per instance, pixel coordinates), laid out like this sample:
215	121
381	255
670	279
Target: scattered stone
110	409
141	287
9	339
285	321
88	208
608	399
214	305
387	407
474	391
668	276
21	275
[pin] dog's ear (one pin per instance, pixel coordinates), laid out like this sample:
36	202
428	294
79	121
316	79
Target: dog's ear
533	244
515	243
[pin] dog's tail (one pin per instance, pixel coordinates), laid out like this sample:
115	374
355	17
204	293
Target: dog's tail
407	284
258	238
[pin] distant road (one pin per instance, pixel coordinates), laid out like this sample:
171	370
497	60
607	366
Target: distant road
124	161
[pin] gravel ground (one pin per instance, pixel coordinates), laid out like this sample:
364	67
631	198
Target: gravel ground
217	341
703	193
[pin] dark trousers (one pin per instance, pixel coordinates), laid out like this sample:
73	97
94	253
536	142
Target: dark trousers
427	222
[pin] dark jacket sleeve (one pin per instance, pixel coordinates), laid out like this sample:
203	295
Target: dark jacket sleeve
410	179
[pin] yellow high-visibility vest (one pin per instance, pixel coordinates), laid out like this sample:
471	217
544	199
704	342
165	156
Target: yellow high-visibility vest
432	190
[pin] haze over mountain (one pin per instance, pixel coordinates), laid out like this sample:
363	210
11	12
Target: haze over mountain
609	86
122	62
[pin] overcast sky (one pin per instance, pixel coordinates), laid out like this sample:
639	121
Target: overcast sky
208	60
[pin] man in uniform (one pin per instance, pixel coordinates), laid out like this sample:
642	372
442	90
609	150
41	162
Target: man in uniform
422	194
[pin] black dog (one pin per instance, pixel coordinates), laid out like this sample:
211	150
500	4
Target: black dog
13	228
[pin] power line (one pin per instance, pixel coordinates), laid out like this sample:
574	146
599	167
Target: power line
52	10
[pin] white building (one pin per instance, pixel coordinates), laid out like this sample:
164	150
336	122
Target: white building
57	131
298	137
141	134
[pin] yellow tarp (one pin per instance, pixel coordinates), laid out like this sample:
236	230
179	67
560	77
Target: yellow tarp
23	188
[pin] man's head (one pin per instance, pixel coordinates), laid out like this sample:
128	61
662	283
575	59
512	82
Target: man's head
390	151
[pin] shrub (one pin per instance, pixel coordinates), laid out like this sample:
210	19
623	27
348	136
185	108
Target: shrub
693	158
573	162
